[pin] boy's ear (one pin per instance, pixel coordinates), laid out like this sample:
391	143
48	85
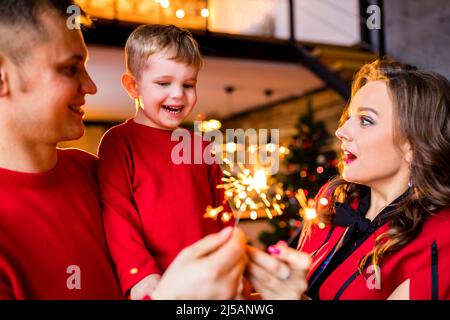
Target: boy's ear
129	83
4	89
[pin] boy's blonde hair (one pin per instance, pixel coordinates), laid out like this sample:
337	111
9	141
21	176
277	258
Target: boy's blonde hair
147	40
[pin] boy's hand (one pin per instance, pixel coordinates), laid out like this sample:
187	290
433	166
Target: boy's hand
144	287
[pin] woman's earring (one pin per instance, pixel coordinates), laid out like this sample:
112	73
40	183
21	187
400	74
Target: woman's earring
410	182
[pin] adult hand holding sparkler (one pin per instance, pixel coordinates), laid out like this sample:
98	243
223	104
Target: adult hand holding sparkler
211	268
279	275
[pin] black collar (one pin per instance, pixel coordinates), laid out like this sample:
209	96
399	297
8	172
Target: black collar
346	216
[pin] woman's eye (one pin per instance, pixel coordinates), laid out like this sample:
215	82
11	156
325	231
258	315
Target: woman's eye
365	121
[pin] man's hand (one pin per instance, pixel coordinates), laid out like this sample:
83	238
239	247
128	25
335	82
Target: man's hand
211	268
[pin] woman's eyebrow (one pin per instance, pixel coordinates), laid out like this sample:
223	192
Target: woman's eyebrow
368	109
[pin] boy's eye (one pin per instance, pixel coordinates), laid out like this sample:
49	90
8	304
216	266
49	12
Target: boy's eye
189	86
163	84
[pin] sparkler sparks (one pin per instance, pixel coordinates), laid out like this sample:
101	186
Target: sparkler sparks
247	191
307	212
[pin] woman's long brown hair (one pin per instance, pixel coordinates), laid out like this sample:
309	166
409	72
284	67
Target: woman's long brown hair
421	102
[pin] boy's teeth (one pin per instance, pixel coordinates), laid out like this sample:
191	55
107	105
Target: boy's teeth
172	109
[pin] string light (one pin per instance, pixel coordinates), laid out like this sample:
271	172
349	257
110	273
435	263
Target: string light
180	13
164	3
231	147
205	13
209	125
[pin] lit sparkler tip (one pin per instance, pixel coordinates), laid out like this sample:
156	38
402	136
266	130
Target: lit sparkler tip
310	213
213	212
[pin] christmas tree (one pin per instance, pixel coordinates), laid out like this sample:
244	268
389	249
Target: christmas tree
309	165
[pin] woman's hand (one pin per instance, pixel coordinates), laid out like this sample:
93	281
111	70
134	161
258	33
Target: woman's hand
211	268
279	275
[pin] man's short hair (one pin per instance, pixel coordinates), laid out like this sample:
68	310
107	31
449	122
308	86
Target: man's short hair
21	19
147	40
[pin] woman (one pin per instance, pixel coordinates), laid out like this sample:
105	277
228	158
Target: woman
388	215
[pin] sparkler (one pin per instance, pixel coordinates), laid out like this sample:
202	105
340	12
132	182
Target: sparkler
307	212
246	191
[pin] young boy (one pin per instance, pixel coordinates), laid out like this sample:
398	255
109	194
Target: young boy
153	208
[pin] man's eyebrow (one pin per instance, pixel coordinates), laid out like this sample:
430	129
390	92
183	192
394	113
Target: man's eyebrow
76	57
368	109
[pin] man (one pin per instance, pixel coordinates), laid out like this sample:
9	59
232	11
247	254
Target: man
52	244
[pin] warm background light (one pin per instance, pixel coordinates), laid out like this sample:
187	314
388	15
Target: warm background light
231	147
205	13
180	13
164	3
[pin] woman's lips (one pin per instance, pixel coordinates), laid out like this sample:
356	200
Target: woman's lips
349	157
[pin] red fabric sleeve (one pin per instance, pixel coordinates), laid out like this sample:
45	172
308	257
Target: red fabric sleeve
122	222
6	292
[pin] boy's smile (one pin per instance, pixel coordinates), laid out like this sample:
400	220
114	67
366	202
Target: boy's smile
173	108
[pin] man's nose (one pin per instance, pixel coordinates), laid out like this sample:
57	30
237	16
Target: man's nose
88	86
